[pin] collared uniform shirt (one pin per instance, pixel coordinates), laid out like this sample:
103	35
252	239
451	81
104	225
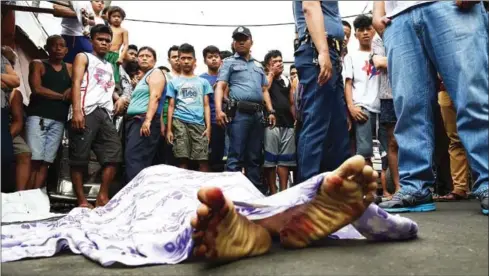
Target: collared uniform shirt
245	78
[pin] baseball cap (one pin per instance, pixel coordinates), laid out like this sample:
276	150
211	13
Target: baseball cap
242	30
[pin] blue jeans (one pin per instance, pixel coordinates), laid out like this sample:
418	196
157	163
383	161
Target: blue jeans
323	140
438	37
246	133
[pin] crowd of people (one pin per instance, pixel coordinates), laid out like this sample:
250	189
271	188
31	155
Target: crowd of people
245	115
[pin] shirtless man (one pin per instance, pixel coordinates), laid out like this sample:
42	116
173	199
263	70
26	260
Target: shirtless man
120	39
220	233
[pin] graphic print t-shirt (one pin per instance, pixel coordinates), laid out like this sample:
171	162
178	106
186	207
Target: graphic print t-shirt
366	80
189	96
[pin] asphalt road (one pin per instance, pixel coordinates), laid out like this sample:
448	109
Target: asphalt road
452	241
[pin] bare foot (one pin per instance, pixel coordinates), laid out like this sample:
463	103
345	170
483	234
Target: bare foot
342	198
85	205
101	201
222	234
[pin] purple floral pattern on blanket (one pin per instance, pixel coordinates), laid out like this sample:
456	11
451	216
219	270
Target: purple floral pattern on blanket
148	221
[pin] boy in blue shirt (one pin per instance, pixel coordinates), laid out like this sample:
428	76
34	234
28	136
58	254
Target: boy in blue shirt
189	114
212	58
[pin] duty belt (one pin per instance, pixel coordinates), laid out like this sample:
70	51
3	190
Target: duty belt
333	43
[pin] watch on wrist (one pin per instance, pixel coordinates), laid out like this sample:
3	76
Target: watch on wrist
271	112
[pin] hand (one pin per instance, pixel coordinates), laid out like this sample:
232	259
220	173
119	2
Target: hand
272	121
380	23
67	95
169	137
357	114
120	105
120	61
276	69
465	4
376	60
78	121
207	133
134	81
163	130
325	68
221	118
145	128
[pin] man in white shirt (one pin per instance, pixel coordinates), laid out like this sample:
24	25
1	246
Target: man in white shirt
90	117
423	38
362	88
72	26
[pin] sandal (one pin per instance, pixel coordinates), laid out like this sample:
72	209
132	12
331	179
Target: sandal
450	197
86	205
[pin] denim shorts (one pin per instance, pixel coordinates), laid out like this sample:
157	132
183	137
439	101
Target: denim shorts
44	141
387	112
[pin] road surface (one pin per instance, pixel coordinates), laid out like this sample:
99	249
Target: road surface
452	241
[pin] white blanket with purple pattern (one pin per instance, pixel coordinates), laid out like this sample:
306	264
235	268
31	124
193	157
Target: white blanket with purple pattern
148	221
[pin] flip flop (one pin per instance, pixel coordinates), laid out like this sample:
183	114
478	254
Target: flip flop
450	197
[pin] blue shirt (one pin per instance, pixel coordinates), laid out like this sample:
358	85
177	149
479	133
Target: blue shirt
163	96
332	19
245	78
189	96
212	80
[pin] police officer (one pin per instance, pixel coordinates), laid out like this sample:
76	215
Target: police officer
323	140
247	84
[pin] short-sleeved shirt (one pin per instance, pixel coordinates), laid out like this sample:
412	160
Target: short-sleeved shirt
212	80
385	92
331	15
280	96
365	78
73	26
189	96
246	79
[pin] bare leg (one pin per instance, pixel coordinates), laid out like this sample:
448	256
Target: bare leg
108	175
204	166
183	163
77	180
283	177
392	156
271	176
41	176
383	182
22	170
35	167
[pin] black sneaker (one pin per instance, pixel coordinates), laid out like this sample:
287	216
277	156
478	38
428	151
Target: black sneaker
401	203
485	204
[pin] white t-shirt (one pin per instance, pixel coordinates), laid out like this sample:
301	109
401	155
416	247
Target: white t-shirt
366	80
97	86
74	26
393	8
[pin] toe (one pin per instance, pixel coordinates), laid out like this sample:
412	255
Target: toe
352	166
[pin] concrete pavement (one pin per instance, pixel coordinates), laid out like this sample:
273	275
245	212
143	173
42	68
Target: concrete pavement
452	241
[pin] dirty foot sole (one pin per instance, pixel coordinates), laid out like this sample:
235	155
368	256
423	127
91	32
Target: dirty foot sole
342	197
222	234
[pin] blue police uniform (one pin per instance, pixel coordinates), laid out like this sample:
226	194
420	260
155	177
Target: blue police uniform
323	142
246	130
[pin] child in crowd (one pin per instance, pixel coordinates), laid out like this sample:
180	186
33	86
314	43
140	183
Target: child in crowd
120	40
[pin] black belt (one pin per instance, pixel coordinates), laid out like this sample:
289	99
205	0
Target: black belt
333	43
249	107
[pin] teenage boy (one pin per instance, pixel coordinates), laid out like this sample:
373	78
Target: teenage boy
189	122
362	88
